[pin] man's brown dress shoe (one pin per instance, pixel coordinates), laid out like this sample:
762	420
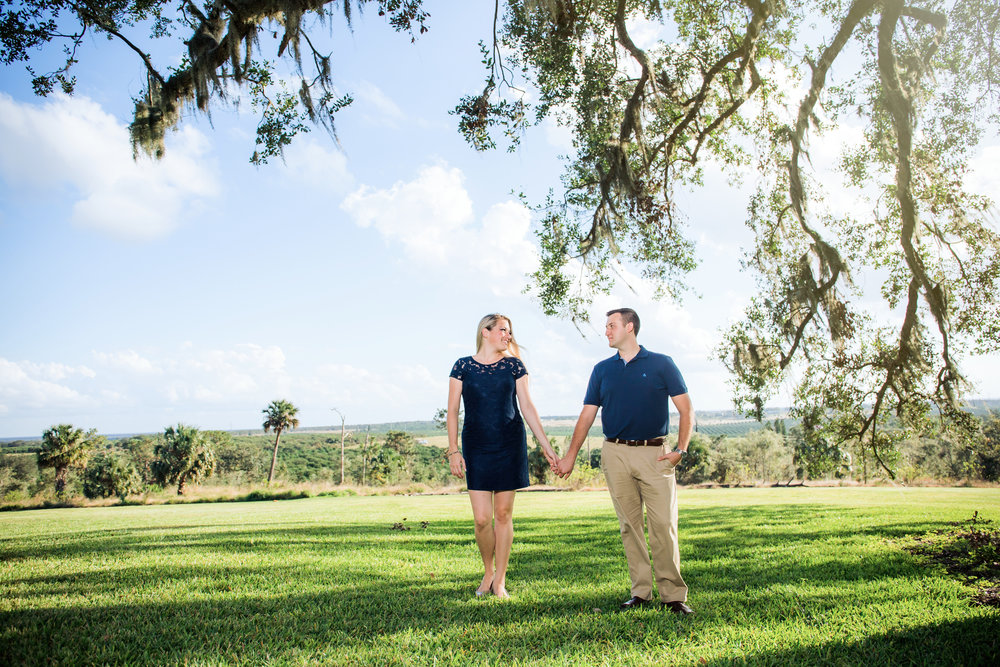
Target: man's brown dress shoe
634	602
678	607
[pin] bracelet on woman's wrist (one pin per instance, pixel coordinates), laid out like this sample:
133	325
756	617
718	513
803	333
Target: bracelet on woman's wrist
450	454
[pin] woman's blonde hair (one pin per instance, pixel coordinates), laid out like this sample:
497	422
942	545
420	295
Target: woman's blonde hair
489	322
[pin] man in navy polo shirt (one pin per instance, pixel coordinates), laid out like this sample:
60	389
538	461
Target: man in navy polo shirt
632	389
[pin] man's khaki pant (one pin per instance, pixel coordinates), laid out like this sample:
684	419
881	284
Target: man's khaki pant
635	478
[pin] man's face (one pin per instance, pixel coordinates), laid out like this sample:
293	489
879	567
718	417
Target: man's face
616	330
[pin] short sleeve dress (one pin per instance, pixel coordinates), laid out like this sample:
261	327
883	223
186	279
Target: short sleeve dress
493	439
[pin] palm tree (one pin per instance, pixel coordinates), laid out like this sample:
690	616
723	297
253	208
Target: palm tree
184	455
63	447
342	419
280	416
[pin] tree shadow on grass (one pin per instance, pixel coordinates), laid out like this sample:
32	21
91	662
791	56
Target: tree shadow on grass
307	592
964	643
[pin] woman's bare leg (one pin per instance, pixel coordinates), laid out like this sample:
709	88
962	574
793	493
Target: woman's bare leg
482	513
503	514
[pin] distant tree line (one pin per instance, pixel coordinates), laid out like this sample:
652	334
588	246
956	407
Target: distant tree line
70	462
777	454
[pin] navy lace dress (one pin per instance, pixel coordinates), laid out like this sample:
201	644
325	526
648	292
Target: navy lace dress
493	439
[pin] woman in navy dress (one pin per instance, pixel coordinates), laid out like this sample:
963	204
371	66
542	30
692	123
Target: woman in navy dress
494	457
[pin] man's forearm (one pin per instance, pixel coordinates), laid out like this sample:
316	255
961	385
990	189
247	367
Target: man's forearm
685	426
581	431
579	437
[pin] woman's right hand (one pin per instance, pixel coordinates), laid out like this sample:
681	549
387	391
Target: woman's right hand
550	456
457	464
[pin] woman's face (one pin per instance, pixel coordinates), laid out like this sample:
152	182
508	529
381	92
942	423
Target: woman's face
499	336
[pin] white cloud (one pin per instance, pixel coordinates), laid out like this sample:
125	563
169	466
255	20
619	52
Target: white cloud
509	252
420	214
73	142
193	383
56	372
559	136
319	169
245	372
128	360
28	385
432	218
386	112
646	34
984	173
353	389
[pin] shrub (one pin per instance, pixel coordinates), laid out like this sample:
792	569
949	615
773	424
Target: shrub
110	474
695	467
584	476
18	473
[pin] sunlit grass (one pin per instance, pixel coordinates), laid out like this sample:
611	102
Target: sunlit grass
777	576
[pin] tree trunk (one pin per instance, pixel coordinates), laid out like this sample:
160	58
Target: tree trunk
180	485
341	451
364	457
274	456
61	474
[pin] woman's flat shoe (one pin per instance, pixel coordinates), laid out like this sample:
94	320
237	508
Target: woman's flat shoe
505	596
488	591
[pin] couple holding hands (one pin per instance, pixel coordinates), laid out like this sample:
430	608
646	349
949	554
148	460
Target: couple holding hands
633	389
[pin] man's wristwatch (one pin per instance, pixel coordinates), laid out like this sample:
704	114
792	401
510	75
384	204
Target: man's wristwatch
682	452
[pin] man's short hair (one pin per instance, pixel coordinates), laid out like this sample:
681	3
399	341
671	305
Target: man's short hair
628	316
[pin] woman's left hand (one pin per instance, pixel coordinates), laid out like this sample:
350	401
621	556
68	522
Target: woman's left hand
457	464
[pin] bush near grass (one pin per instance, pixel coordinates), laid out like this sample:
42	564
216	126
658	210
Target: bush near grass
970	549
223	493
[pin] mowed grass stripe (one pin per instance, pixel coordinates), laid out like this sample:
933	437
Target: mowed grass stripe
777	576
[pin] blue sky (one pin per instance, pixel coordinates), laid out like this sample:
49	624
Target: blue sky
138	294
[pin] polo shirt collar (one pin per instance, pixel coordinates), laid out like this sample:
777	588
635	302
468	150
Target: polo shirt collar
641	354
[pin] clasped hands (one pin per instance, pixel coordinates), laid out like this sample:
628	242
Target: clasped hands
561	467
564	466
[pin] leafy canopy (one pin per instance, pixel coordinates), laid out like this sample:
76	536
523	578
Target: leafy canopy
747	86
280	416
64	447
921	79
221	51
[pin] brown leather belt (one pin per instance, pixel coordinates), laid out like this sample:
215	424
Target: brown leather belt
652	442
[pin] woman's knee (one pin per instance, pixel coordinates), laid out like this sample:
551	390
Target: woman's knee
503	506
503	514
483	522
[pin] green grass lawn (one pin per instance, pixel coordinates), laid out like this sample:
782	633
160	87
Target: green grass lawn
777	576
